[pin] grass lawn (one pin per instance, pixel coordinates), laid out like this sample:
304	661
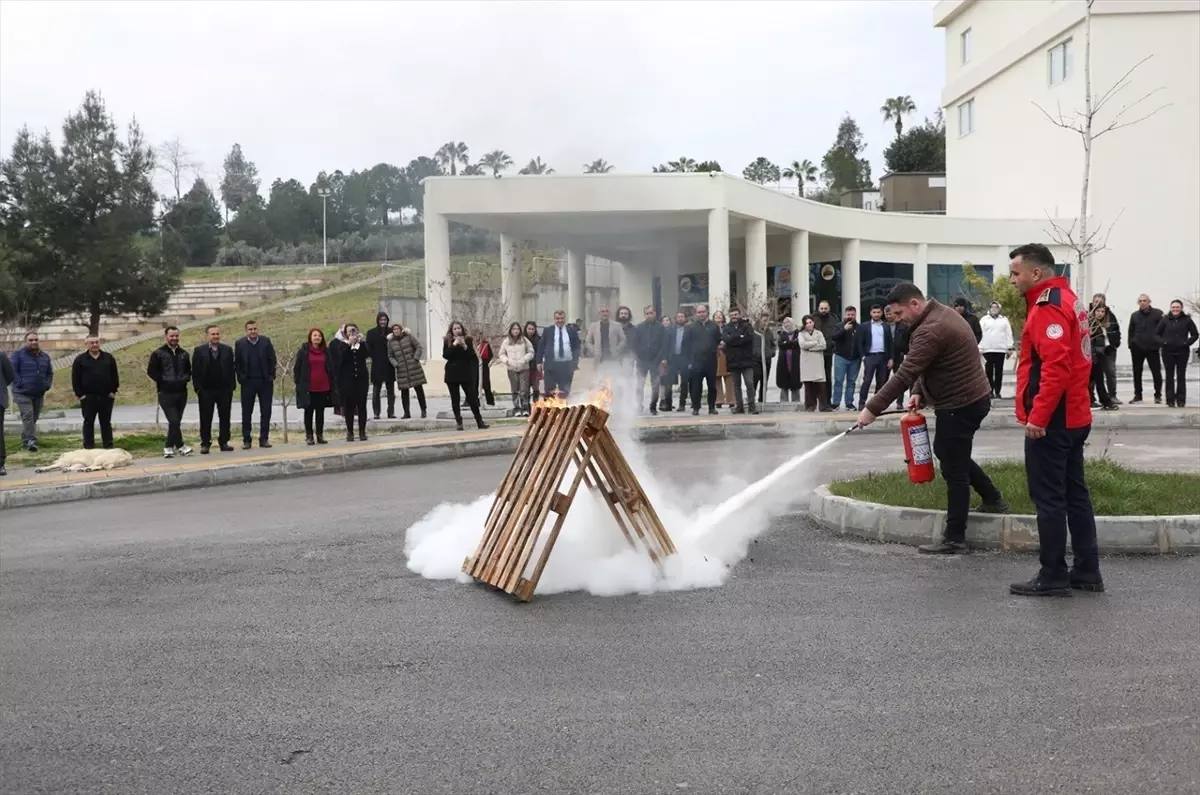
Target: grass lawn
1116	491
52	444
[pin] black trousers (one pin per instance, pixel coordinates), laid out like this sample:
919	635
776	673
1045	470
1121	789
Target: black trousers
952	440
222	401
1054	472
558	376
828	378
354	404
677	373
172	405
376	388
420	390
993	366
1150	358
897	360
1175	363
95	407
760	376
3	448
700	374
263	391
485	383
456	396
1099	383
650	370
314	413
874	367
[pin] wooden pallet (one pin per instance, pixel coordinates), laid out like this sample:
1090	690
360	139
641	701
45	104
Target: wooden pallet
555	439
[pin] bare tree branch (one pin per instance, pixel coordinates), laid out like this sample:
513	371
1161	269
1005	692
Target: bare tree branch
1117	86
176	161
1116	123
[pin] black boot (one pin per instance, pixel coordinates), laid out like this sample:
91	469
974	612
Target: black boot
946	546
308	439
1040	587
1087	581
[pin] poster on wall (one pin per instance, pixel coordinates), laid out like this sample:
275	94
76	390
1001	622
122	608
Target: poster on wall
782	280
693	288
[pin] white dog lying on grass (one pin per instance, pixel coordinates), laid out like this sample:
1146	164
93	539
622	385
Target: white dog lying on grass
89	461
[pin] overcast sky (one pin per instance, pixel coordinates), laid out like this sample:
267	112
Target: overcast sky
306	86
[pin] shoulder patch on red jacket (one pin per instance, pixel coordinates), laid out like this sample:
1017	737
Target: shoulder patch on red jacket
1044	298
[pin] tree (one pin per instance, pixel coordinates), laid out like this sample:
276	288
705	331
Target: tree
761	171
895	109
451	154
802	171
981	292
250	225
291	216
600	166
240	181
708	166
497	160
844	168
417	170
387	190
31	263
535	167
920	149
196	220
1077	237
473	170
78	222
174	160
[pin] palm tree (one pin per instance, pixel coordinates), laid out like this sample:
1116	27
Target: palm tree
451	154
895	109
802	171
497	160
683	164
536	166
600	166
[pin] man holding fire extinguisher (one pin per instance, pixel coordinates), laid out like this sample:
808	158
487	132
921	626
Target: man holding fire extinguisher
1054	406
942	369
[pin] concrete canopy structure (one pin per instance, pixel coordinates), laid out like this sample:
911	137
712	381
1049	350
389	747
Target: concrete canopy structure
728	238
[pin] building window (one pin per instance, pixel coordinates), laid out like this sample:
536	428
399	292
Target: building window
966	118
964	41
1060	62
876	280
946	282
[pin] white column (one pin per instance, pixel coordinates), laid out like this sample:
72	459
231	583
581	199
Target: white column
755	272
850	285
921	268
718	258
438	293
576	285
511	284
636	287
1000	269
800	268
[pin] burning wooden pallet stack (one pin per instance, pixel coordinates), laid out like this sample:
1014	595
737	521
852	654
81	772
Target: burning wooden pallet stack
559	436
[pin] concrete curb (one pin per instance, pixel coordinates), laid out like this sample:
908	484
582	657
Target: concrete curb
1123	535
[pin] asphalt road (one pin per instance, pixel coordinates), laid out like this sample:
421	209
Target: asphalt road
268	638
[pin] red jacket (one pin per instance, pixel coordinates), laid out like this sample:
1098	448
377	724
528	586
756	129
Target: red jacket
1056	359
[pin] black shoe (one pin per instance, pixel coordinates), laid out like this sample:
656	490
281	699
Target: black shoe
1170	404
1039	587
992	507
483	426
737	410
1116	400
362	437
33	448
3	471
246	445
654	411
1135	401
264	444
1095	404
458	425
309	440
406	417
350	436
944	547
204	449
695	412
376	416
710	411
423	414
682	407
851	408
1087	581
1158	399
321	439
225	448
391	415
1109	407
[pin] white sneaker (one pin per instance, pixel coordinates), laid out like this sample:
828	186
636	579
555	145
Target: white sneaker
185	450
168	452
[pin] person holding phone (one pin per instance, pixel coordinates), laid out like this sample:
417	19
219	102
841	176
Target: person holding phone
462	372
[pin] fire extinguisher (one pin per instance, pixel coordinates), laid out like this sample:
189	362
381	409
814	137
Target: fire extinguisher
917	451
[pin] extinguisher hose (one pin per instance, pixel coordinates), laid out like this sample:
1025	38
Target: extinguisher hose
880	414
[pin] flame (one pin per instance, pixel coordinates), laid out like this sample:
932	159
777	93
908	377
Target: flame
552	401
601	397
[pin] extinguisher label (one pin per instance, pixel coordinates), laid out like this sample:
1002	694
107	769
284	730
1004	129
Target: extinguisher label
918	437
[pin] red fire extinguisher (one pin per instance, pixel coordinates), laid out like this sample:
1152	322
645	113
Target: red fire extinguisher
917	451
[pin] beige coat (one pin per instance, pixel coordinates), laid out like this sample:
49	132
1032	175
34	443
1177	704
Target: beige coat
812	358
616	339
516	356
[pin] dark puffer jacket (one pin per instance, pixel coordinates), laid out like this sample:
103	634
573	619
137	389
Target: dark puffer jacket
1143	330
404	352
1177	332
170	369
377	346
739	344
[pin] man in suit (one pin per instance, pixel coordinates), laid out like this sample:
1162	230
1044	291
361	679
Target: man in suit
605	339
213	379
255	363
557	356
701	341
676	352
873	341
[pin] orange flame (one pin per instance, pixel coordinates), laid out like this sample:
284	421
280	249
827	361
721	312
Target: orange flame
552	401
601	397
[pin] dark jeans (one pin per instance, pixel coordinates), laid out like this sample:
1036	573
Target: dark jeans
377	387
1054	472
1150	358
874	367
263	391
742	396
1099	383
314	413
3	449
222	401
993	365
96	407
558	376
952	440
420	390
896	362
172	405
456	397
700	374
644	370
354	403
677	372
1175	363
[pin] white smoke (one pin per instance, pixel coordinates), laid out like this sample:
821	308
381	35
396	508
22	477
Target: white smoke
712	524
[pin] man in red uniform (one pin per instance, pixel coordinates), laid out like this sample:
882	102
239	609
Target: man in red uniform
1054	406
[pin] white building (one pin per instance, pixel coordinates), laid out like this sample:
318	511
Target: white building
1005	159
688	238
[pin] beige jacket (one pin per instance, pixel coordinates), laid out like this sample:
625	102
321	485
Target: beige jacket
516	356
616	339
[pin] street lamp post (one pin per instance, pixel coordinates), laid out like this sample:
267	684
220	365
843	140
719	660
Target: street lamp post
324	194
